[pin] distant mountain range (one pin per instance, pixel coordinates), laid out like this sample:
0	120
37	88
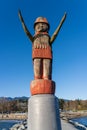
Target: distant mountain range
15	98
23	98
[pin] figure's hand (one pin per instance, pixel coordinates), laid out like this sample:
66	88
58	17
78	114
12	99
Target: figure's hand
24	26
20	16
58	29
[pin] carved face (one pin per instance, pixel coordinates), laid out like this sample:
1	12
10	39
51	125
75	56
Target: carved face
41	27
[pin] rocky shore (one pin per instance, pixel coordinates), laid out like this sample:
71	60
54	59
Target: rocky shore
20	126
64	122
23	126
70	114
13	116
65	117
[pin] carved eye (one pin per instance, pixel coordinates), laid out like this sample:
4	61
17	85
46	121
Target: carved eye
45	27
38	27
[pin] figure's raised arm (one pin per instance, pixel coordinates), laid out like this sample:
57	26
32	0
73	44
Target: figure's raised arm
58	29
24	26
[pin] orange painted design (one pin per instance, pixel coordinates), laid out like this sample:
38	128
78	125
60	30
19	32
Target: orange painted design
41	86
42	53
41	20
37	77
36	33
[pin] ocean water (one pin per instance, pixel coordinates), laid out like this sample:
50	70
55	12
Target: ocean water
80	123
6	124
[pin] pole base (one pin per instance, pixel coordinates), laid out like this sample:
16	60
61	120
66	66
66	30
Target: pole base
43	113
41	86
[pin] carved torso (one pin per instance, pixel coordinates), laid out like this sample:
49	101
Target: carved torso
41	46
41	40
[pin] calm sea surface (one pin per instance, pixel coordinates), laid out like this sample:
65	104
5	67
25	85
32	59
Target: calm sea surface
80	123
6	124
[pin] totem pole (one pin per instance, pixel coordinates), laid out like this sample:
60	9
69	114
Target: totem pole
43	109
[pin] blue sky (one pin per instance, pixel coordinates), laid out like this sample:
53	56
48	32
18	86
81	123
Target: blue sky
69	49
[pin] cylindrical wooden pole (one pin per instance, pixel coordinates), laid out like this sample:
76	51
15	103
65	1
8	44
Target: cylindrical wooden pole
43	113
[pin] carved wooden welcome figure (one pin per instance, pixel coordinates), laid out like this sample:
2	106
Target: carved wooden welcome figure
42	54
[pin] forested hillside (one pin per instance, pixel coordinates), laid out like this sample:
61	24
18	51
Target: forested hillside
20	104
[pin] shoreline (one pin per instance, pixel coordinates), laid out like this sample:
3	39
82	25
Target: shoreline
68	116
13	116
65	117
71	115
65	125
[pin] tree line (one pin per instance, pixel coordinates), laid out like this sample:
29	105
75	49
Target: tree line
11	106
72	105
21	105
